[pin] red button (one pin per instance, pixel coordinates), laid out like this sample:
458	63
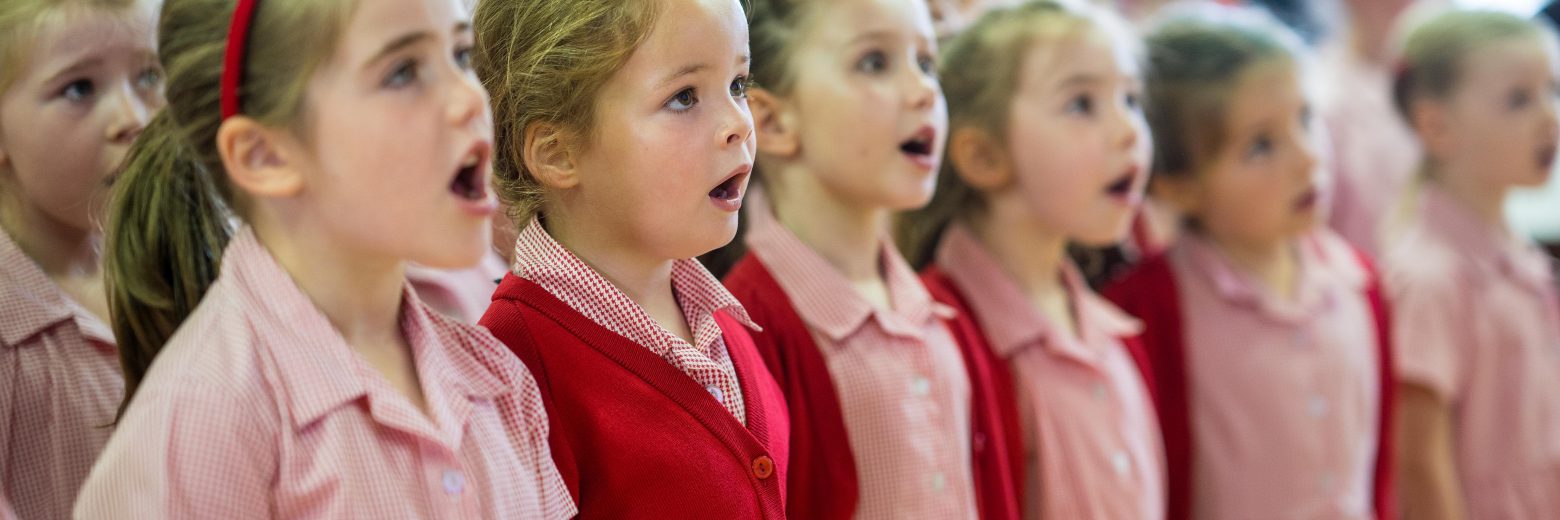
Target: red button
763	467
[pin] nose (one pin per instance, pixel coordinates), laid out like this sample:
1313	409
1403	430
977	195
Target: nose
467	100
131	112
737	128
921	87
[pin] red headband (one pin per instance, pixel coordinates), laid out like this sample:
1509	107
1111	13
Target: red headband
233	59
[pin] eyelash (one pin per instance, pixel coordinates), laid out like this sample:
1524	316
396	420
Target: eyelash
689	96
405	72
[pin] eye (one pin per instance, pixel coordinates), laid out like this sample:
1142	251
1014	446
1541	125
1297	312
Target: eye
874	62
1518	98
404	73
463	57
740	86
927	64
78	90
1261	146
1133	100
149	79
683	101
1081	104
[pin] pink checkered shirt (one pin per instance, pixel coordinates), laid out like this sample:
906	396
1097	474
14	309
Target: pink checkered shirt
257	408
59	387
547	263
1091	438
902	386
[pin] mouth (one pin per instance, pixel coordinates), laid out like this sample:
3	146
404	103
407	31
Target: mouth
1546	158
728	194
919	147
1122	188
470	182
1307	201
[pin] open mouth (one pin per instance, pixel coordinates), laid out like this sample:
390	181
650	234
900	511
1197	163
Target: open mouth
1122	188
917	146
1307	200
1546	158
728	194
470	181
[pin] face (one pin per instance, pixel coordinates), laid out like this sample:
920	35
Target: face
89	86
1500	120
1078	144
672	143
401	137
865	107
1265	183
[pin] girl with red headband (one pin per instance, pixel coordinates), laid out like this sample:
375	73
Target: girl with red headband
276	362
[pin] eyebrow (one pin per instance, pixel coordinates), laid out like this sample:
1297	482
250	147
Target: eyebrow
879	34
695	68
75	68
410	39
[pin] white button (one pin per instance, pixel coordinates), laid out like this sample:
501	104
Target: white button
939	482
720	397
1099	391
1317	406
454	482
921	386
1121	463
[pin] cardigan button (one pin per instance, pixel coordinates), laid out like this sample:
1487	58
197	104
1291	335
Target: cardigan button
763	467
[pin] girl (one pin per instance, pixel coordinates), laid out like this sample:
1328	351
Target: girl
1477	319
310	380
78	81
851	122
1048	146
1264	331
624	146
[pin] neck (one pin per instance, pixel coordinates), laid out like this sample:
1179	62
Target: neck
848	235
643	278
1487	201
60	250
1272	261
358	290
1028	251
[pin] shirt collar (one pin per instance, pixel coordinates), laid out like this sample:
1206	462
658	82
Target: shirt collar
34	303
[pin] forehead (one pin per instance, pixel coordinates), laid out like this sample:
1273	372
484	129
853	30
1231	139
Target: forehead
1511	58
689	29
831	23
1077	49
71	33
374	23
1266	89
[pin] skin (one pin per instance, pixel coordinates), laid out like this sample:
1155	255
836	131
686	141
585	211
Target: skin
870	67
393	114
88	87
671	127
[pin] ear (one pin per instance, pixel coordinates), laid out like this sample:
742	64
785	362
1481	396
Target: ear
260	161
979	159
1182	190
550	157
1431	121
775	124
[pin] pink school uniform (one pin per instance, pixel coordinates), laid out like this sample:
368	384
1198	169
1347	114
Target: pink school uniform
1478	324
257	408
60	386
898	379
1275	406
1090	438
463	294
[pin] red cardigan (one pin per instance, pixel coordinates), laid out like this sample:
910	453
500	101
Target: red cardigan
1149	293
996	413
633	436
823	470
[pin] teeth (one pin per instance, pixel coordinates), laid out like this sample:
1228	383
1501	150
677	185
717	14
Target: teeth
470	160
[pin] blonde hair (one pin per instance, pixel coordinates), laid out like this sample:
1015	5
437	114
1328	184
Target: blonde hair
168	216
980	76
544	61
22	20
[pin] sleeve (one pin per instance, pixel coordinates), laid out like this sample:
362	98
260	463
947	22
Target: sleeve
1428	333
192	452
